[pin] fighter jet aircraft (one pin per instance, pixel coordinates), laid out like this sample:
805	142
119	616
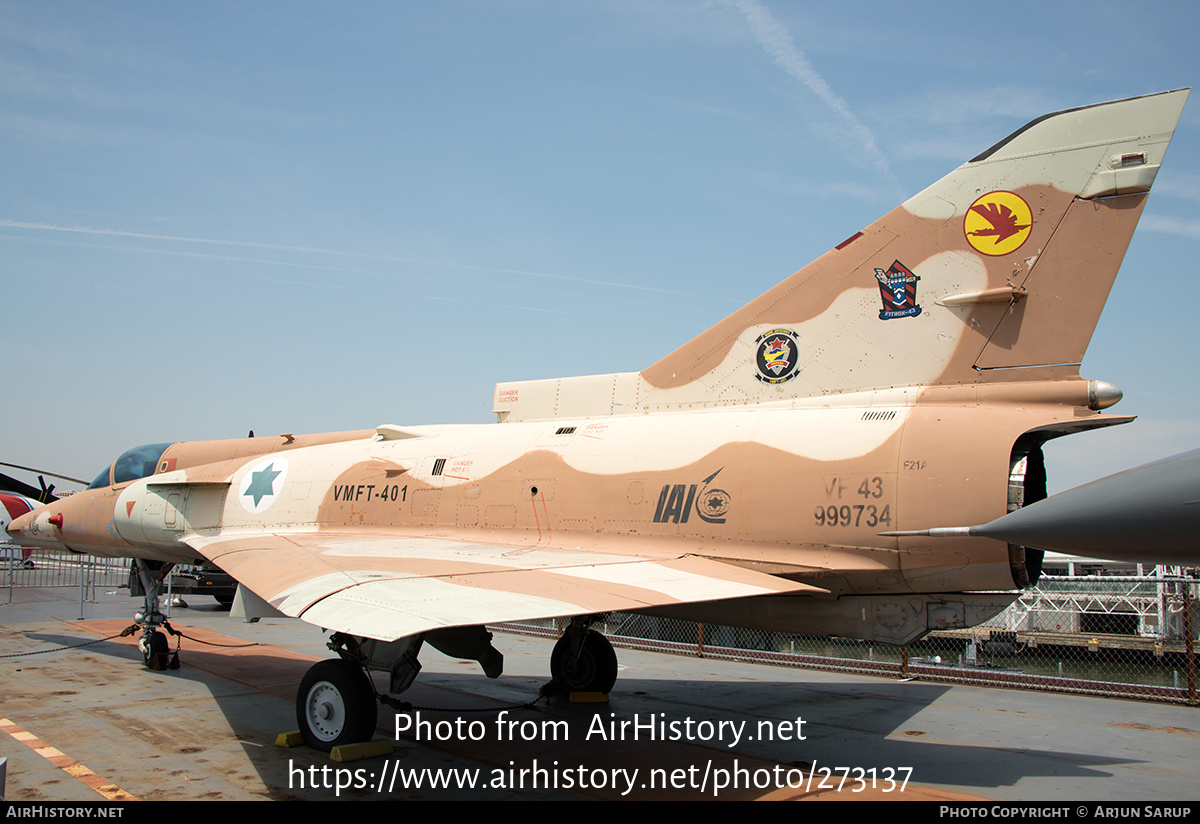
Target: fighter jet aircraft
907	378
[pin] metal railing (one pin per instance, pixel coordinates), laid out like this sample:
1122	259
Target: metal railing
85	573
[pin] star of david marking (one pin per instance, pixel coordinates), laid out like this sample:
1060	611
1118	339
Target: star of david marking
262	483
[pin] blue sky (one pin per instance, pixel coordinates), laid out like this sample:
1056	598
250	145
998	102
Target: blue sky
296	217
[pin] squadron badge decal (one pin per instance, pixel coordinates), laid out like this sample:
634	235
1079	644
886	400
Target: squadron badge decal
898	288
998	223
777	356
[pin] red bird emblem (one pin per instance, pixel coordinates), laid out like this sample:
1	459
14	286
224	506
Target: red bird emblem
1002	219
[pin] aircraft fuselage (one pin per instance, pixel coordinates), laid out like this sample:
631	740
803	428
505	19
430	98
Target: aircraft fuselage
792	489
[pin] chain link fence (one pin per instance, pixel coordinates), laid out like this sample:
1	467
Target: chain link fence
1120	635
1129	636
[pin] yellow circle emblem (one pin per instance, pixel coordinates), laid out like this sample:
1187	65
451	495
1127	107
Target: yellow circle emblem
998	223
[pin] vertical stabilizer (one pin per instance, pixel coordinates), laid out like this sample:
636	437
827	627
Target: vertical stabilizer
1002	265
1005	262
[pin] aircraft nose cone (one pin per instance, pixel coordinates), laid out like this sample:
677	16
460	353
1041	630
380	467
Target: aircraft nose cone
35	529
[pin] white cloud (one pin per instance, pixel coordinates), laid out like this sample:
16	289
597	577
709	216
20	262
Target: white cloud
1185	185
1171	226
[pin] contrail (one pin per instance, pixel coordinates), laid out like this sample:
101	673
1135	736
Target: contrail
778	43
322	267
84	230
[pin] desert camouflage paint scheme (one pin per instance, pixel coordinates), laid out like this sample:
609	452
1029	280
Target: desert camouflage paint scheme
1150	511
905	379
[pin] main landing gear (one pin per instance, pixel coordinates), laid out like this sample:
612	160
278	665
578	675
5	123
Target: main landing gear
337	703
582	661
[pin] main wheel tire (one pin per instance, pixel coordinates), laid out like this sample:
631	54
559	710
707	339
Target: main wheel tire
335	705
593	670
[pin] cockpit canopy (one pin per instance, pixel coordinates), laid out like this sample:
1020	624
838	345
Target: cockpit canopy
135	463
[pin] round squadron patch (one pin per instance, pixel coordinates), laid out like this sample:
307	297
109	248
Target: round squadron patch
262	484
998	223
778	356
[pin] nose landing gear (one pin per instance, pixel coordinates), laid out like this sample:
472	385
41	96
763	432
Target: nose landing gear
156	652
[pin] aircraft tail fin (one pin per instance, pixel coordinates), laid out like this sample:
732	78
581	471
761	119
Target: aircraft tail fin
1001	267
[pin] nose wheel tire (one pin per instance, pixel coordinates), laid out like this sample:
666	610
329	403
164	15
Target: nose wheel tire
156	652
594	669
336	705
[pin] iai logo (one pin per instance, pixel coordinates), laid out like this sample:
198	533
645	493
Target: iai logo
262	484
